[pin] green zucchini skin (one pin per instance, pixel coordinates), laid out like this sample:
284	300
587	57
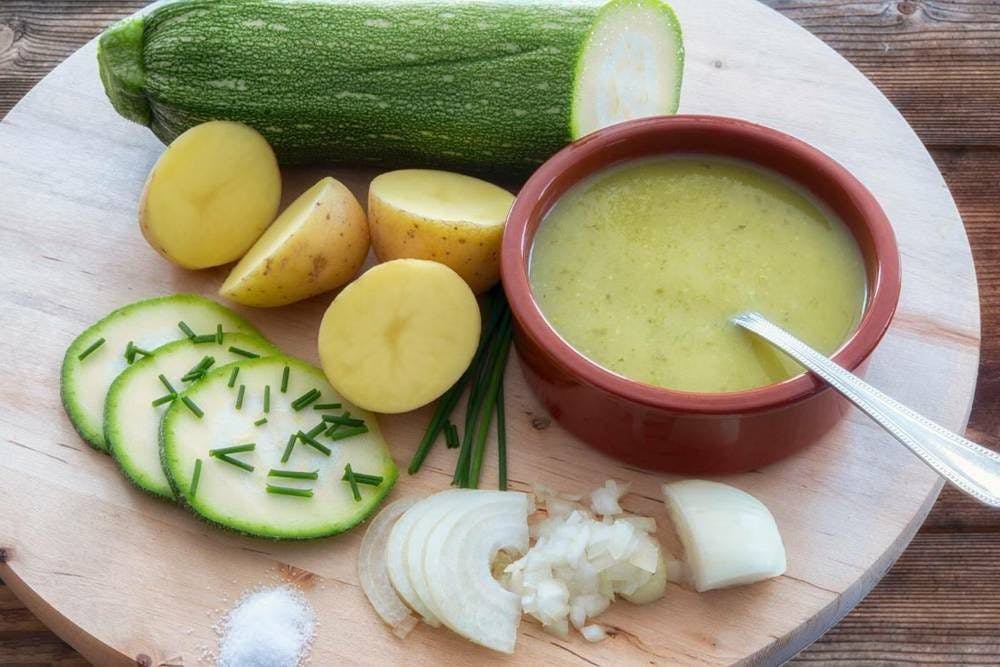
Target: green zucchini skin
464	85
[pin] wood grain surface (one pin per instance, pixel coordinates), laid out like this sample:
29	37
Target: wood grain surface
939	62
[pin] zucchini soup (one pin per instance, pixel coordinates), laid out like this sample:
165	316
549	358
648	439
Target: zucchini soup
640	267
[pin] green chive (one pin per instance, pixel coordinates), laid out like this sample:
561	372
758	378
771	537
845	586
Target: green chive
289	447
361	478
195	477
239	396
233	374
501	440
138	350
218	333
451	435
327	406
294	474
186	329
203	338
260	422
488	405
129	354
288	491
243	353
193	407
354	483
267	398
349	432
284	380
234	449
93	346
198	370
235	462
313	443
343	420
163	399
166	383
316	430
305	399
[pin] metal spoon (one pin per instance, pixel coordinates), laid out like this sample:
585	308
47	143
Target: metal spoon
970	467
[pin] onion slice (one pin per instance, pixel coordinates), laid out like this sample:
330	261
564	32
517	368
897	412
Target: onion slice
374	575
458	549
729	537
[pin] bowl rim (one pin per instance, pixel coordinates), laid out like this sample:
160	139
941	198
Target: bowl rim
884	285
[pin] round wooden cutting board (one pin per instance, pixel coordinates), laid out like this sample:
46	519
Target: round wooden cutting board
127	578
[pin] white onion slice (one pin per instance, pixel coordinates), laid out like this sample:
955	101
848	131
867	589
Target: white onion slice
458	551
374	575
729	537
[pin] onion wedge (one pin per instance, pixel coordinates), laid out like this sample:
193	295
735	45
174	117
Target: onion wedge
373	572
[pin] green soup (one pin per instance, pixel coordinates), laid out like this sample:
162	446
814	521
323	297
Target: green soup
641	266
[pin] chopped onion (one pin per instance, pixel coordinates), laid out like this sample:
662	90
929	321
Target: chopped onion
594	633
729	537
604	500
374	575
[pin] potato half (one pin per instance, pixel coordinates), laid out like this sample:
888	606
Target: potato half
400	335
317	244
210	195
449	218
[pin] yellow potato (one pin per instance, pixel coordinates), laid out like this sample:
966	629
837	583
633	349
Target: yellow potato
318	243
449	218
210	195
399	336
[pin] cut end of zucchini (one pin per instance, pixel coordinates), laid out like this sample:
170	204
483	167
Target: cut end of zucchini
631	66
119	60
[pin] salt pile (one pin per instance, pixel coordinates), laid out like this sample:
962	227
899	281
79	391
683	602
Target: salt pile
270	627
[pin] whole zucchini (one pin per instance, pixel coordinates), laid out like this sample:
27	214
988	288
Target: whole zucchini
496	86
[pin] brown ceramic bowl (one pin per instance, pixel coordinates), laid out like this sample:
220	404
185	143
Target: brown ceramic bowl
677	431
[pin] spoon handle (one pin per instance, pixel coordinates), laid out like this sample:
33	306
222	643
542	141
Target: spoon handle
970	467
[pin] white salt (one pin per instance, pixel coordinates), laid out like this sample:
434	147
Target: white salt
270	627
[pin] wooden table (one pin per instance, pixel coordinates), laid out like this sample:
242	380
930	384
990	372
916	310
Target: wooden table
939	62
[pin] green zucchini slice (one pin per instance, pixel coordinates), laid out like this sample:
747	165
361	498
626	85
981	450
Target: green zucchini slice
88	371
234	493
132	421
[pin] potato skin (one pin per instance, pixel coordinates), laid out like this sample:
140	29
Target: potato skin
471	250
318	255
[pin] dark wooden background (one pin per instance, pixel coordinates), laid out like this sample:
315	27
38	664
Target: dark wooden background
939	62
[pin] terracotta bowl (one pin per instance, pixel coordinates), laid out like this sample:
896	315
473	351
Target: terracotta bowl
675	431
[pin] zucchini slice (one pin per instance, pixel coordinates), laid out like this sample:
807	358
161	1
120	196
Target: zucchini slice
234	493
148	324
133	410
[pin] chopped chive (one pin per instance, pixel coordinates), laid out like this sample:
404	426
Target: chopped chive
203	338
309	440
90	350
289	447
197	371
305	399
293	474
334	427
327	406
193	407
218	333
349	474
168	398
182	325
501	440
343	420
348	432
243	353
138	350
288	491
129	353
361	478
267	398
234	449
260	422
239	396
225	458
195	477
284	380
316	430
166	383
451	435
233	374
